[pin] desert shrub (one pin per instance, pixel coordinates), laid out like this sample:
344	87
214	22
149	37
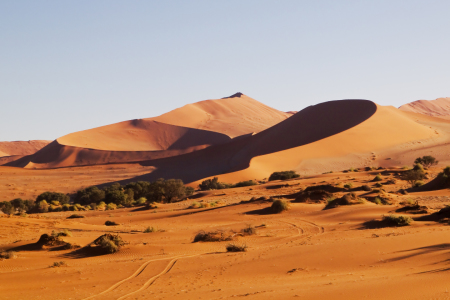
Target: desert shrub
348	185
189	191
7	208
419	167
109	243
279	206
111	223
366	188
66	207
141	201
426	161
378	178
283	175
58	264
211	236
249	230
42	206
377	201
55	203
150	229
75	216
406	168
89	195
64	232
393	220
101	206
378	184
50	240
199	205
236	247
391	181
347	199
8	255
412	176
419	183
213	184
115	197
52	196
315	196
245	183
111	206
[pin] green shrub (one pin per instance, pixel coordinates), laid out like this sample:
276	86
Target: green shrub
427	161
141	201
378	178
66	207
58	264
111	206
212	236
412	176
213	184
245	183
283	175
348	185
378	184
51	196
236	247
393	220
279	206
249	230
377	201
111	223
109	243
150	229
419	183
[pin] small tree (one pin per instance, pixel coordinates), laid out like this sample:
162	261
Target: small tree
426	161
412	176
174	189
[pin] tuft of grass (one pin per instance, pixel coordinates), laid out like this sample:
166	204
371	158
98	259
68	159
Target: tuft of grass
378	178
278	206
58	264
109	243
211	236
378	184
236	247
8	255
394	220
64	232
419	183
249	230
348	185
377	201
111	223
150	229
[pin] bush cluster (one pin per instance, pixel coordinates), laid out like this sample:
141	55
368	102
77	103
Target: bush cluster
283	175
214	184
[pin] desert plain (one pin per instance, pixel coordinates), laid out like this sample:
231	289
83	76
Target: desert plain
338	235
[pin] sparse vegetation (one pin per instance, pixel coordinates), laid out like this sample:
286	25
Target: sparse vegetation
58	264
412	176
393	220
75	216
109	243
64	232
347	199
378	178
426	161
278	206
150	229
283	175
214	184
8	255
249	230
236	247
212	236
111	223
348	185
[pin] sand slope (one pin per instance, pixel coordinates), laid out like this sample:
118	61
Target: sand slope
189	128
21	147
330	130
436	108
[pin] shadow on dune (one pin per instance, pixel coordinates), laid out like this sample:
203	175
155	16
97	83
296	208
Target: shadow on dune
262	211
84	252
310	125
421	251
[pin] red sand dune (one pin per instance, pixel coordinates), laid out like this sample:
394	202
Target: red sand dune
183	130
328	130
21	147
435	108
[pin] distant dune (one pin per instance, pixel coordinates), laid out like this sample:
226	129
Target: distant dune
183	130
436	108
21	147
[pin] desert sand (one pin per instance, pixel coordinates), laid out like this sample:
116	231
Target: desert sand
310	251
439	107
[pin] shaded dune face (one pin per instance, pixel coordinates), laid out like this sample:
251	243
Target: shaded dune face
307	126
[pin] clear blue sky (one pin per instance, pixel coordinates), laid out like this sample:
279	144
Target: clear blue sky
67	66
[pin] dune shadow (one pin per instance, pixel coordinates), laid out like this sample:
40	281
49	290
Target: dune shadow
84	252
421	251
262	211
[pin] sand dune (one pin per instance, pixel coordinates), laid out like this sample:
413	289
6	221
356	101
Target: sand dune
330	130
436	108
21	147
189	128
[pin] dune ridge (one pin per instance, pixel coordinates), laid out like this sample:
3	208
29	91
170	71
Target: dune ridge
21	147
439	107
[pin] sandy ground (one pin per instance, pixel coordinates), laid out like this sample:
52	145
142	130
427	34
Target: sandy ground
306	252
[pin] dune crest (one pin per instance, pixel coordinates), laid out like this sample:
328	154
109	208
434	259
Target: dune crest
21	147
